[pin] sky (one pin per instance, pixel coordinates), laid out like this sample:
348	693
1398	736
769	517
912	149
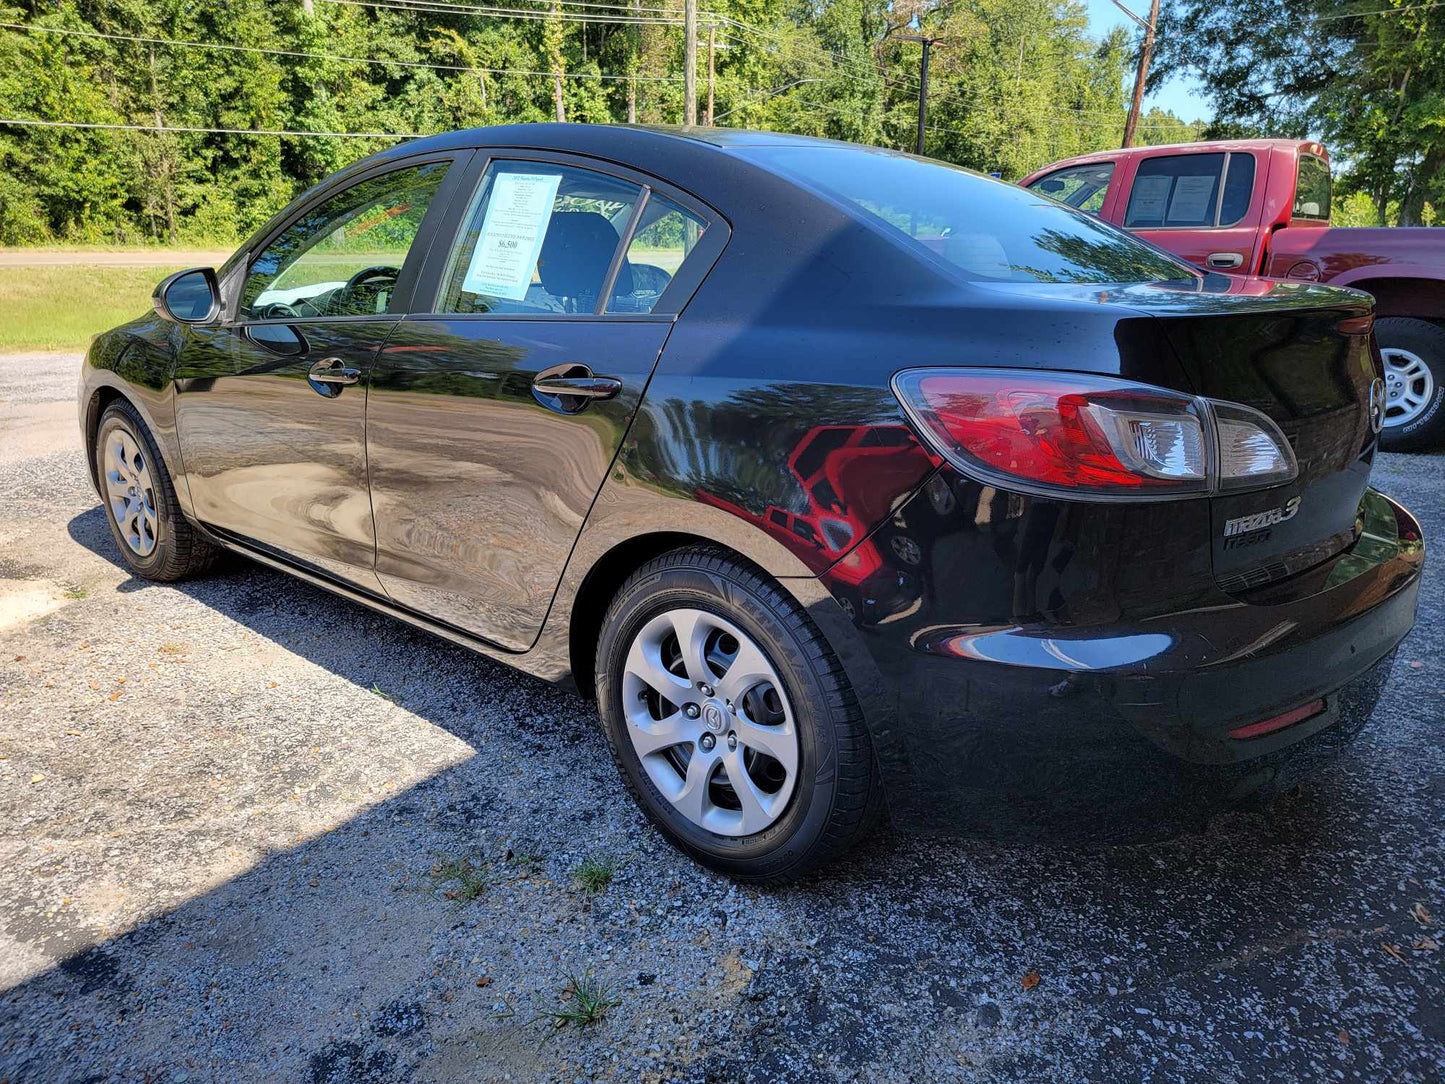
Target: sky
1183	97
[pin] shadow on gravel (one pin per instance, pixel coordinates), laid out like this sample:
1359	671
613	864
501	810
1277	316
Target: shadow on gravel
1029	961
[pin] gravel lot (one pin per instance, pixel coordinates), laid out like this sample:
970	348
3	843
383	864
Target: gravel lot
228	811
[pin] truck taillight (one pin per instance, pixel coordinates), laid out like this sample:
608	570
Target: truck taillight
1075	434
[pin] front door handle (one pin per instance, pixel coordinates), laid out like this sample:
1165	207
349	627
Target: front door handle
329	375
570	387
1225	260
334	371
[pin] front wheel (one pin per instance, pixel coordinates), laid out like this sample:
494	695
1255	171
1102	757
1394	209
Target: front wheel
1414	355
140	501
731	720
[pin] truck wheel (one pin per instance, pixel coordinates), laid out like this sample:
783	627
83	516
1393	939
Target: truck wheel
1414	353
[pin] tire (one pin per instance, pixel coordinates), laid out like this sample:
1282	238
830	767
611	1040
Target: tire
1415	348
154	538
832	796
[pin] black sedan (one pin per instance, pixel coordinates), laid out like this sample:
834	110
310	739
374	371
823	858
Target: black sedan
851	484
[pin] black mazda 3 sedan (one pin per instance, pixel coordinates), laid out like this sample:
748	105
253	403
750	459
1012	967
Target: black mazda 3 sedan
851	484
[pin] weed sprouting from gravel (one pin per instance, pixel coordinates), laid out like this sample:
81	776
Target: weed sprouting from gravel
595	873
78	593
470	880
586	999
379	691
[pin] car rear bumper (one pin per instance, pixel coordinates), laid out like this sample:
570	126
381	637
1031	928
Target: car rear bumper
1123	731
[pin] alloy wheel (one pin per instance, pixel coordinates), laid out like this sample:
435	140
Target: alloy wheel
130	491
710	721
1409	385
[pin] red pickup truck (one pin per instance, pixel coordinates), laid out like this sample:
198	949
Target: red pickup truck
1262	207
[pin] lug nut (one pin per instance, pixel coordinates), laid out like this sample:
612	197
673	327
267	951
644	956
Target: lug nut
704	688
732	742
707	741
692	711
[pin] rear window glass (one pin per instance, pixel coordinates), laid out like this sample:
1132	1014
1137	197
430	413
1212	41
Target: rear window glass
1312	189
1178	190
987	230
1238	188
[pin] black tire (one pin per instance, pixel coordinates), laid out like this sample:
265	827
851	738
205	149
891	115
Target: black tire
837	797
1427	342
180	551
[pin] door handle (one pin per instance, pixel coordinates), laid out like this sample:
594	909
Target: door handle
334	371
569	388
1225	260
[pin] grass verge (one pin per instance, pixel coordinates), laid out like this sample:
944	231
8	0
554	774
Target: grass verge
60	308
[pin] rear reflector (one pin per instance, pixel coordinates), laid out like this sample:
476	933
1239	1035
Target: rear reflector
1279	722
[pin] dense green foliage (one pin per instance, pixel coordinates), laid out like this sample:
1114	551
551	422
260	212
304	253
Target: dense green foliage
1016	84
1366	76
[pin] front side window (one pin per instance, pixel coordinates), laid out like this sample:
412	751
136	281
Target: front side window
1312	189
985	230
1174	191
1083	187
538	239
344	256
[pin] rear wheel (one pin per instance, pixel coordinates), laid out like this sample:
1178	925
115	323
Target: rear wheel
1414	355
140	501
731	720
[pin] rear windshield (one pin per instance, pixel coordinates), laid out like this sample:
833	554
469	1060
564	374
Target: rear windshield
986	230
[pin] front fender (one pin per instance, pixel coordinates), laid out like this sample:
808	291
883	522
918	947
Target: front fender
134	362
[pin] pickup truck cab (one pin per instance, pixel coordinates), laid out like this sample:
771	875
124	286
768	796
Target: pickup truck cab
1261	207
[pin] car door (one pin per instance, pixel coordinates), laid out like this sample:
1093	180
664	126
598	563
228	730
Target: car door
496	409
1205	208
271	405
1086	186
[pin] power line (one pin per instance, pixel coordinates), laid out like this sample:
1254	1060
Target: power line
432	7
28	123
379	62
1380	11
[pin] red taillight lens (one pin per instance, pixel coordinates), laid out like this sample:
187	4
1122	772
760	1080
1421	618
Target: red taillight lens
1076	434
1061	432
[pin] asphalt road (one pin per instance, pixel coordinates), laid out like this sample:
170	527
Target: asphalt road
228	810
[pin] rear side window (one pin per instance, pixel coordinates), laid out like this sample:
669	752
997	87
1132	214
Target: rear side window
539	239
1083	187
1175	191
985	229
1238	188
665	236
1312	189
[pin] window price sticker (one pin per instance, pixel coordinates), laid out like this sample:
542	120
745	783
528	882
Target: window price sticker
519	207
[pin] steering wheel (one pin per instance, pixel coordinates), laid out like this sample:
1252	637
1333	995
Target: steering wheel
363	277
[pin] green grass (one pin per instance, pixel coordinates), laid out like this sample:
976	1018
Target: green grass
60	308
585	1000
468	881
595	874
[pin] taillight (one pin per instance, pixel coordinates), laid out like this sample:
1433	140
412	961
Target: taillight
1095	436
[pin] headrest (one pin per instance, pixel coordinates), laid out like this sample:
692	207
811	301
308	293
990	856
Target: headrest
576	253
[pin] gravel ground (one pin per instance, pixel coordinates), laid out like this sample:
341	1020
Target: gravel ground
231	811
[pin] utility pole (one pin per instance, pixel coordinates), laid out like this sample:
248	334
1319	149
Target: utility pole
928	44
1145	53
711	71
689	62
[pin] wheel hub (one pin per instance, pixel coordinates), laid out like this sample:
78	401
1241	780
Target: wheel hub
1409	385
710	721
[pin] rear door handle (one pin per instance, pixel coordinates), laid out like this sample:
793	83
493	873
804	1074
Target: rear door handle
334	371
1225	260
568	388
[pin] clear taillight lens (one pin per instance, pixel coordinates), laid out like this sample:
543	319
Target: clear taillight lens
1097	436
1252	450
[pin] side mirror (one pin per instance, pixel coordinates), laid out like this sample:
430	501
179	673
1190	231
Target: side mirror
188	297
